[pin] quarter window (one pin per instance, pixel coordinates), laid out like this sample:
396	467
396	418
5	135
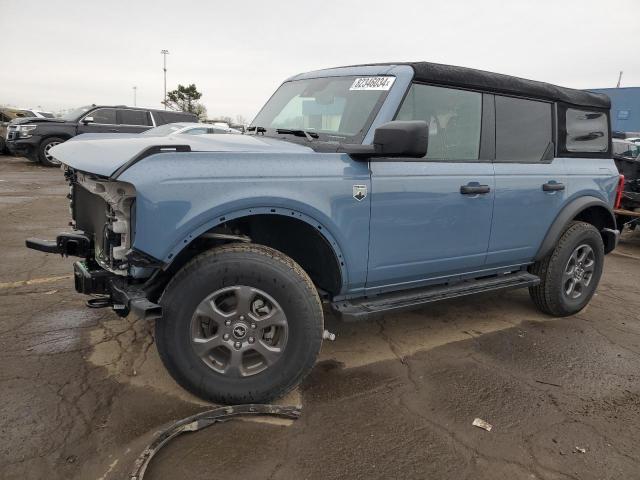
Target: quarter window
586	131
197	131
523	129
453	117
104	115
134	117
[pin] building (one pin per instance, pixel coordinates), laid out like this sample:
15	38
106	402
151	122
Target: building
625	108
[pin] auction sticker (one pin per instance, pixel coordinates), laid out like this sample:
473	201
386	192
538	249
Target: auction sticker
372	83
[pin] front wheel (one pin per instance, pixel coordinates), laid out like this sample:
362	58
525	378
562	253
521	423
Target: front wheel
44	154
241	323
569	275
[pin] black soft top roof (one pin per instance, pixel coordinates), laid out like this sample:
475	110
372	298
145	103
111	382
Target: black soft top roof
499	83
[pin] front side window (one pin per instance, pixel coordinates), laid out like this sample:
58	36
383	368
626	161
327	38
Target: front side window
104	115
335	108
453	116
134	117
523	129
587	132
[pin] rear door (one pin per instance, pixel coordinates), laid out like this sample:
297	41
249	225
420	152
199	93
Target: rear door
431	217
531	185
133	121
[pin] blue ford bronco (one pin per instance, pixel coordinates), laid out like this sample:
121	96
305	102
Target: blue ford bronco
367	189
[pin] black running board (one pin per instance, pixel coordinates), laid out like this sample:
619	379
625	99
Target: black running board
361	308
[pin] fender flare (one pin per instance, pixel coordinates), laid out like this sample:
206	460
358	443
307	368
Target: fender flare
280	211
568	213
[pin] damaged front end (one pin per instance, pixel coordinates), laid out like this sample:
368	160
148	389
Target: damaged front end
103	220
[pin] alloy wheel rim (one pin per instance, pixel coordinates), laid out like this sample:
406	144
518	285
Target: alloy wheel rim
578	272
239	331
47	155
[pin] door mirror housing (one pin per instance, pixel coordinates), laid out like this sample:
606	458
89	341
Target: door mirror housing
88	119
398	138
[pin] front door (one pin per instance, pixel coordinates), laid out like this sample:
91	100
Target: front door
431	218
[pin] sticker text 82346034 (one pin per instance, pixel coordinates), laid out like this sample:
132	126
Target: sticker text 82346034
372	83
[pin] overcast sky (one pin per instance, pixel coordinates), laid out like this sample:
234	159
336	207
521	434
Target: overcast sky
62	54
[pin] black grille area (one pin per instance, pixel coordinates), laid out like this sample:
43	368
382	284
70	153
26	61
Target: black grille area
90	214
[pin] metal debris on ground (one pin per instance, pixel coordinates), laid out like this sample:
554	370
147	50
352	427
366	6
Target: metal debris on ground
581	450
202	420
478	422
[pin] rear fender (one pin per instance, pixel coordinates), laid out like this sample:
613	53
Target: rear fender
572	210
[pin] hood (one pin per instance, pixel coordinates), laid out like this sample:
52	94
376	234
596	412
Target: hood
23	120
103	156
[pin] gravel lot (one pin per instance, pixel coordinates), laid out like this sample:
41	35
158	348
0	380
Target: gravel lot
83	391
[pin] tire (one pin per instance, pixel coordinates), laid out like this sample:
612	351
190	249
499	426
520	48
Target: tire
43	156
563	267
216	284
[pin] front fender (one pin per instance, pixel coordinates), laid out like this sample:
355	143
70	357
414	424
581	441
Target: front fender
317	220
182	195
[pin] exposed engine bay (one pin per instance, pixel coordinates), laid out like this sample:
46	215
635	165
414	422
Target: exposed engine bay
104	209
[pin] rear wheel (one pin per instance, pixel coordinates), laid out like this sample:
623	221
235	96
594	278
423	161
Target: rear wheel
569	275
44	154
241	323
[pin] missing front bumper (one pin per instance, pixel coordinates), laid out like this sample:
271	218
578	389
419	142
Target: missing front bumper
119	295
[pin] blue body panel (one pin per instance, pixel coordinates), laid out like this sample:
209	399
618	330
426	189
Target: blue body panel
523	212
422	226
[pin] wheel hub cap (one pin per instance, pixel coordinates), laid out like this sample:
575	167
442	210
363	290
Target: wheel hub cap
240	331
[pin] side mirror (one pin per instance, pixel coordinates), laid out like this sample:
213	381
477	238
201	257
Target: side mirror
86	120
394	139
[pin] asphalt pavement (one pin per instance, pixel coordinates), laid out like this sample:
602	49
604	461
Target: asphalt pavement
82	391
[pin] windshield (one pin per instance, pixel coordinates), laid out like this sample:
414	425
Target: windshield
163	130
336	108
76	114
47	114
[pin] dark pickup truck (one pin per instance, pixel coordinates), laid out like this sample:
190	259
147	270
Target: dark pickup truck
34	137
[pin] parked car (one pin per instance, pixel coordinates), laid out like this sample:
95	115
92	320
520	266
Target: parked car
626	154
370	188
34	137
185	128
7	114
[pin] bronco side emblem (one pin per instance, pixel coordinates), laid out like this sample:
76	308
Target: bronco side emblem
359	192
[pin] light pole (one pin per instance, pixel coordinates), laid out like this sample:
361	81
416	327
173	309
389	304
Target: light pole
164	68
134	95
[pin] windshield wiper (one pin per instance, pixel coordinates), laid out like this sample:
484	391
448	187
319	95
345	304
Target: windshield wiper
256	129
298	133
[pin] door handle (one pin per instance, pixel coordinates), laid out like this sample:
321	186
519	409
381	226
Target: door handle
474	189
552	186
113	130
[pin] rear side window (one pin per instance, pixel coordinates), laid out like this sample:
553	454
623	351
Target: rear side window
454	119
586	131
134	117
104	115
523	130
